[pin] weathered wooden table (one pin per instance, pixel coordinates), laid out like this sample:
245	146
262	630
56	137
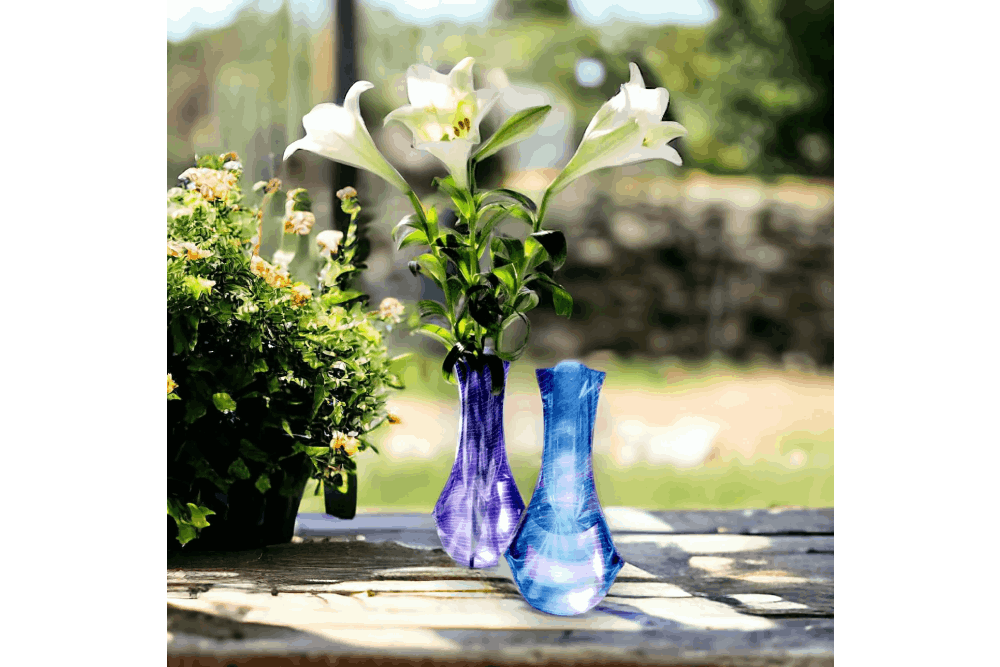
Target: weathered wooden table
751	587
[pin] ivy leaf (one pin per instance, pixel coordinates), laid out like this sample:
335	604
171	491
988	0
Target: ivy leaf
198	515
223	402
238	469
186	532
252	452
319	395
194	411
521	125
263	483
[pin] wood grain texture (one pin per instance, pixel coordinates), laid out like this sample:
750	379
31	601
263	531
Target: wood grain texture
758	593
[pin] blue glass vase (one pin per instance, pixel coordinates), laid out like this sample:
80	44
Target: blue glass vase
480	505
562	556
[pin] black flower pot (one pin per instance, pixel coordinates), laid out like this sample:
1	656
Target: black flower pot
245	518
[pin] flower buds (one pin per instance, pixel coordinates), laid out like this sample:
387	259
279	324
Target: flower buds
329	241
391	310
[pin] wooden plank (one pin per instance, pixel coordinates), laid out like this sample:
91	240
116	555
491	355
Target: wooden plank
775	521
390	527
740	599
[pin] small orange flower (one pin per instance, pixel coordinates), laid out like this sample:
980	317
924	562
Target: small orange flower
273	275
171	385
346	442
301	294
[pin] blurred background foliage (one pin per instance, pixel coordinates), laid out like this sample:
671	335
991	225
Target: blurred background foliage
754	87
710	285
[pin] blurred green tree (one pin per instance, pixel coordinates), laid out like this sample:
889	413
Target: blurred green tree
773	80
514	9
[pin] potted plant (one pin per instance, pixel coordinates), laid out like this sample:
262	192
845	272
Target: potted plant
490	281
271	380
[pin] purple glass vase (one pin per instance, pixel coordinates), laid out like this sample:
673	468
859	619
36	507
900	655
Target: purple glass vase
480	505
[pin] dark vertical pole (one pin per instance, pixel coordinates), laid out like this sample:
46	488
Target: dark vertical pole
345	74
339	501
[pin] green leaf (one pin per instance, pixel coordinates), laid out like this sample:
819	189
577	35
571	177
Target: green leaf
263	483
508	276
259	365
561	299
319	395
250	451
526	300
497	379
433	267
287	428
450	359
554	243
521	125
334	298
428	308
177	333
528	205
437	333
223	402
414	237
198	515
409	222
504	333
238	469
173	397
522	215
195	410
461	197
314	451
484	231
454	294
186	532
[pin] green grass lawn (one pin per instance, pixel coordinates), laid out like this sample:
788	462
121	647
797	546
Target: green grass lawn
760	482
414	486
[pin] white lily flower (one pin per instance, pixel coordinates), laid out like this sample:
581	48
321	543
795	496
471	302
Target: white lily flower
625	130
444	114
339	133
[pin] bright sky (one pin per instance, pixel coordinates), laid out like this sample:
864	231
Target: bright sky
187	16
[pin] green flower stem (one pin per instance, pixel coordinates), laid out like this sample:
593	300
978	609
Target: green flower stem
541	211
